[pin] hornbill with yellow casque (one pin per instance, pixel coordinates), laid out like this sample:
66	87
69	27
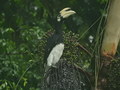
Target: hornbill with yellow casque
55	44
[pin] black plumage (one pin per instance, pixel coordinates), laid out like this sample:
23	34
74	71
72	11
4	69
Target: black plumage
55	44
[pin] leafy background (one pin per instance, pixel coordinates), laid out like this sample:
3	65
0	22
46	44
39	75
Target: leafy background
22	25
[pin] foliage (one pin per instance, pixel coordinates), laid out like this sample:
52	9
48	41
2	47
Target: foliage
102	1
71	47
114	75
23	24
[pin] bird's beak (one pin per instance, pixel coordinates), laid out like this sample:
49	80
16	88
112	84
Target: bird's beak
66	12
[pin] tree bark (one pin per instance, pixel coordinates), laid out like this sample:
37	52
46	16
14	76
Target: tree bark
110	43
112	32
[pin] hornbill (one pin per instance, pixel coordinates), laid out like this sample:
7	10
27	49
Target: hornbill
55	44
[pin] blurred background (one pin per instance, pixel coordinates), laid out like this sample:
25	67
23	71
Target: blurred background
22	25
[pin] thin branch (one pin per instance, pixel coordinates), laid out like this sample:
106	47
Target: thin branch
83	71
80	46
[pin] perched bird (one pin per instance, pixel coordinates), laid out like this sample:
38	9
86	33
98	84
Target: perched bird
55	44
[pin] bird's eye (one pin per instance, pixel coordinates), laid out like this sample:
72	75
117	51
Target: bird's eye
59	15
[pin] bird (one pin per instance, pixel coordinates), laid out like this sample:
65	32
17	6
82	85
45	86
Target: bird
55	44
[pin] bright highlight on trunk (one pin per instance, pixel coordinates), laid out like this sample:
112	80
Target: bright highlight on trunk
112	32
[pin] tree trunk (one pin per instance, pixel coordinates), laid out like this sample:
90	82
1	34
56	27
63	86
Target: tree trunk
112	32
110	42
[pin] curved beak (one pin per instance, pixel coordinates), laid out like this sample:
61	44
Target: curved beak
65	13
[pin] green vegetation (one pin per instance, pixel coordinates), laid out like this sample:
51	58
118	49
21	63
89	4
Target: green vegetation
23	28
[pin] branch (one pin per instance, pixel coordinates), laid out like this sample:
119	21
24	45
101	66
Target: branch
80	46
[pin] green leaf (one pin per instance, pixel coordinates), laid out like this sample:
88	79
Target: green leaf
25	81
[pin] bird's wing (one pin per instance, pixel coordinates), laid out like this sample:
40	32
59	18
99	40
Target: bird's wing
51	42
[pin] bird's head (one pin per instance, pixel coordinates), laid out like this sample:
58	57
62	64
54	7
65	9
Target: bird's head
65	13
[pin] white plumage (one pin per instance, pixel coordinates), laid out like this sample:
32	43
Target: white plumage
55	44
55	55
